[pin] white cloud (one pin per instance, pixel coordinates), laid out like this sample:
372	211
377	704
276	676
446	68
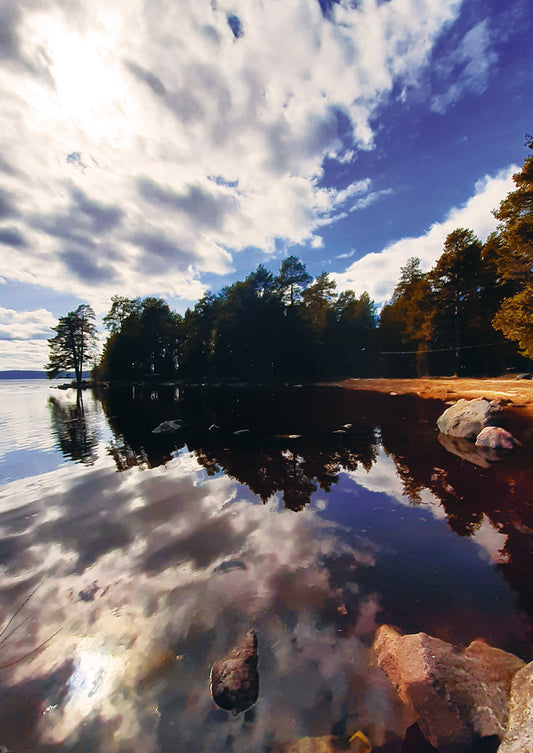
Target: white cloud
468	66
145	144
378	273
23	338
18	355
24	325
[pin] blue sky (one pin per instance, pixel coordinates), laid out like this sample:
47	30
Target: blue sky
167	148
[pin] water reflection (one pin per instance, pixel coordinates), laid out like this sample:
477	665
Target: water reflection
163	586
270	441
298	443
76	436
154	572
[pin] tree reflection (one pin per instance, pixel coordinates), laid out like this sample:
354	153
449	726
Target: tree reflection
293	442
470	491
77	439
273	442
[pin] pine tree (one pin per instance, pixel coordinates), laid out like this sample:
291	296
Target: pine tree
515	262
74	344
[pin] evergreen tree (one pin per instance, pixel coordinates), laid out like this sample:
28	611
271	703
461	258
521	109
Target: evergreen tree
455	280
121	309
145	340
318	299
406	322
515	260
74	344
293	278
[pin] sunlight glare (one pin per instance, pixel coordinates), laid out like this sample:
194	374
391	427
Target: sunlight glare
84	83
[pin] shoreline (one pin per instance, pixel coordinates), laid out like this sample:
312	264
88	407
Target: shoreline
516	393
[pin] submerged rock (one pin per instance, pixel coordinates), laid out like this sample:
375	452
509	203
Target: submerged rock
458	696
168	427
466	418
519	735
234	678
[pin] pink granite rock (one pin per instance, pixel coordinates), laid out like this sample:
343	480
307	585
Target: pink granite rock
458	696
519	735
495	438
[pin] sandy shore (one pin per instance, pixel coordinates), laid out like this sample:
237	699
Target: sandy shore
517	393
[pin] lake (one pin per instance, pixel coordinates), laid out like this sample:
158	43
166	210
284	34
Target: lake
132	560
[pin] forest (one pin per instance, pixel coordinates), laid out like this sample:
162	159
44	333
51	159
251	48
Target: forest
471	314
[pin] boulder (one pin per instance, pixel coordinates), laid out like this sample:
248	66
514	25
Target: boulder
234	678
466	418
496	438
457	696
519	735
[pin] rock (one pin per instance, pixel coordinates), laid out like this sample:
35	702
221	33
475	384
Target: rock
168	427
526	375
496	438
466	418
519	735
234	678
457	696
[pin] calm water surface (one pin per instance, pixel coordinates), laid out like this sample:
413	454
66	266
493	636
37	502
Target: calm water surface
132	560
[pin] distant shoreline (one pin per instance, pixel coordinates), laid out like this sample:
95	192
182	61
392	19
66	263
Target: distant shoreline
30	374
23	374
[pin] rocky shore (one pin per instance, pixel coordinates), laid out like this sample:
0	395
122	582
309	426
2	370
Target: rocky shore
460	696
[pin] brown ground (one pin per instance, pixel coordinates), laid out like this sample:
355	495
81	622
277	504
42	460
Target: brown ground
517	392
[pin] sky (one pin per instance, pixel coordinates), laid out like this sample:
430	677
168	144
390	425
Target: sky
168	147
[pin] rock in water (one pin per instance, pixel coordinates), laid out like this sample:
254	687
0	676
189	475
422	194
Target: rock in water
496	438
467	417
234	678
168	427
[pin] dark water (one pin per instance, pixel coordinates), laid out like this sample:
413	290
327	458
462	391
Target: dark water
147	556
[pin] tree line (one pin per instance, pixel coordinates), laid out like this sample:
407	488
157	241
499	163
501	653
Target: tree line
472	313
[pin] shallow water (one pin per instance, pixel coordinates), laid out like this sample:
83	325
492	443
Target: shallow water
144	557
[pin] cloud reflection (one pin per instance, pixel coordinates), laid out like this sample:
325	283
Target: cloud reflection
137	567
